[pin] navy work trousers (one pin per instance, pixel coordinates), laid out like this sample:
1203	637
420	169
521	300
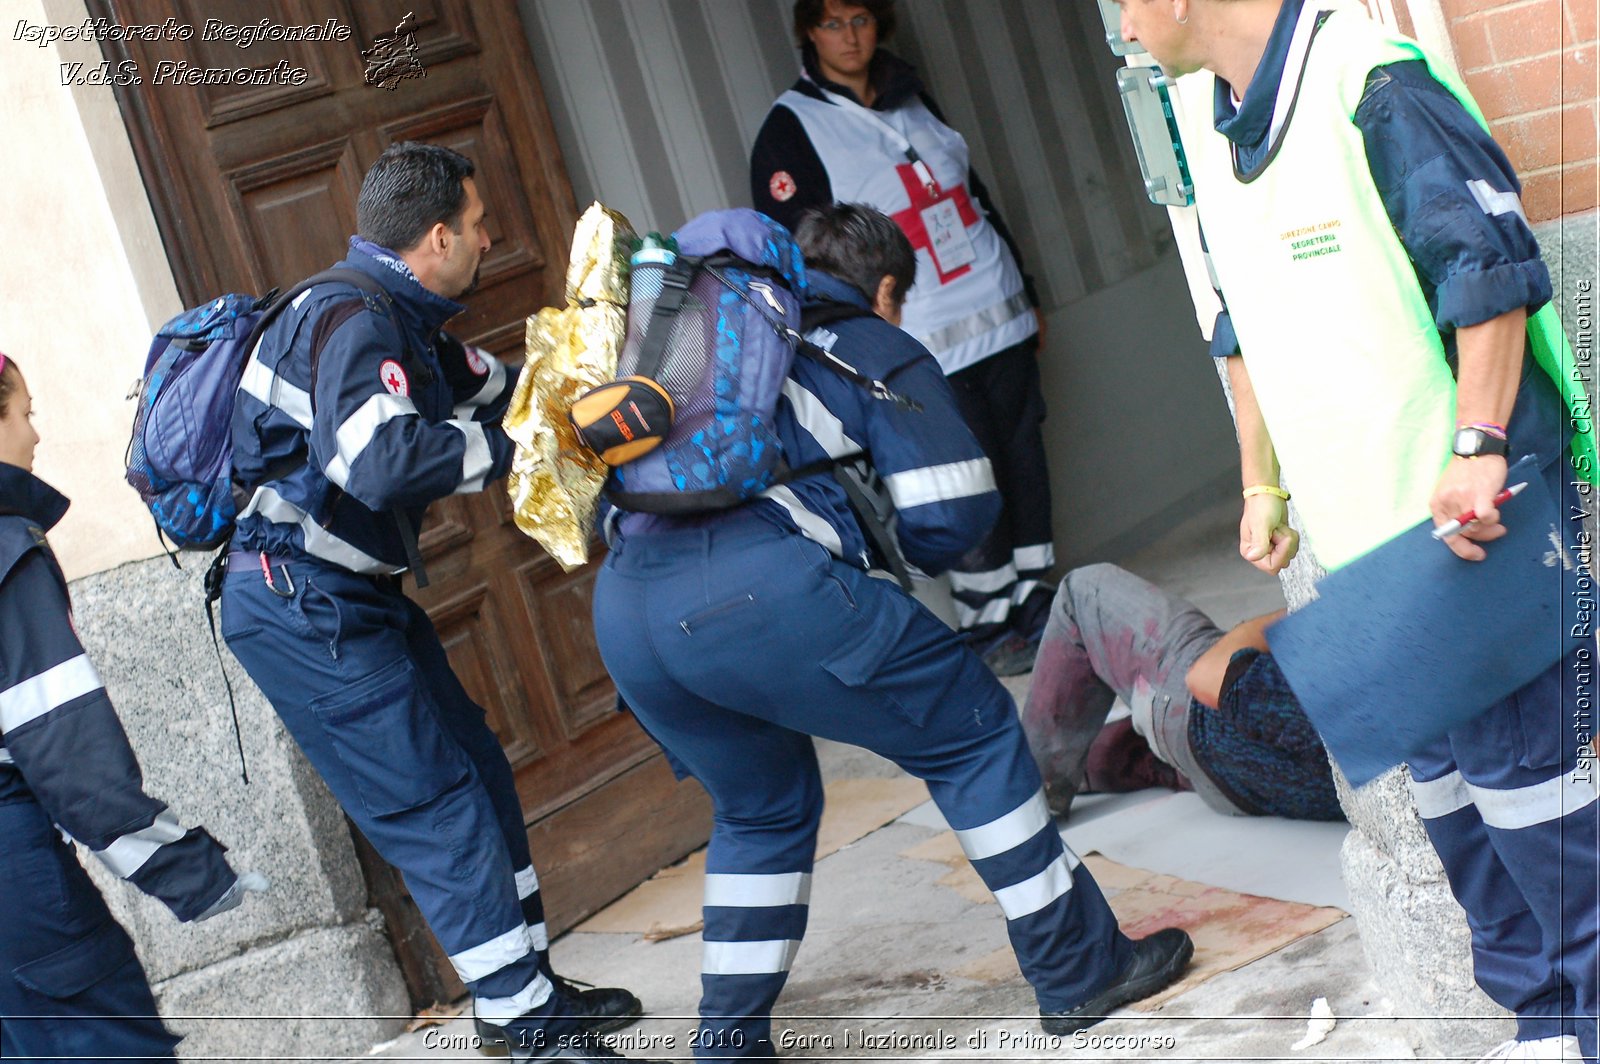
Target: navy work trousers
71	985
736	641
1509	801
358	676
1003	583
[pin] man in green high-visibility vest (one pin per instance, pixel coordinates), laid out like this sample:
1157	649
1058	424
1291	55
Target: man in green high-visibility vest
1389	336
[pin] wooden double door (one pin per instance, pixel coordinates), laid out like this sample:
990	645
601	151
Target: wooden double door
255	186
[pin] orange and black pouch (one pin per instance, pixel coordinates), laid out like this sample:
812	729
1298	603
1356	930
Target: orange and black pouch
623	419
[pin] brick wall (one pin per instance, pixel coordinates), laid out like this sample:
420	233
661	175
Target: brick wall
1532	66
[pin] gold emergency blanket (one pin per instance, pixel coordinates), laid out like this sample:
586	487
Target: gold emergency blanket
555	481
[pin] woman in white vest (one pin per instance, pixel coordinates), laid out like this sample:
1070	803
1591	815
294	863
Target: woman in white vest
1389	336
859	128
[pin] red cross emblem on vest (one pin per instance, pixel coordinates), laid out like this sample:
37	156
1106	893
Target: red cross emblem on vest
923	197
394	378
781	186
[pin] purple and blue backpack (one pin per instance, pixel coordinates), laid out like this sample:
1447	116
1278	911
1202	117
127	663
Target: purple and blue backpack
714	320
180	456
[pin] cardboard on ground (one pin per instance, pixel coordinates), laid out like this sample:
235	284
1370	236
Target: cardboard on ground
668	904
1229	929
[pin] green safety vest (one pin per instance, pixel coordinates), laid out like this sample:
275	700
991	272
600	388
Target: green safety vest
1344	357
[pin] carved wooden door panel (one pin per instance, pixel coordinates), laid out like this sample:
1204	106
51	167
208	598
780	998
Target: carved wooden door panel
254	186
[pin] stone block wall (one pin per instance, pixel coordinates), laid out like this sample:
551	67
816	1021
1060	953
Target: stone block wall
302	970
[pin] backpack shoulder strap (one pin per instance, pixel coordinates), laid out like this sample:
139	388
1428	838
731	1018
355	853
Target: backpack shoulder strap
336	275
827	311
675	281
336	316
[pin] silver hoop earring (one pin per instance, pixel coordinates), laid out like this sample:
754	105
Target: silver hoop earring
1184	21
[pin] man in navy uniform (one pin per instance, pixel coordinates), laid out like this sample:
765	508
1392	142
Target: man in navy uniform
395	414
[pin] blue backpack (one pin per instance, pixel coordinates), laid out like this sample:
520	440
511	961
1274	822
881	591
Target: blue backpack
713	327
180	456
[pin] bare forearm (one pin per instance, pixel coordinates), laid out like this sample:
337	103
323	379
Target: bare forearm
1488	368
1205	676
1489	365
1258	462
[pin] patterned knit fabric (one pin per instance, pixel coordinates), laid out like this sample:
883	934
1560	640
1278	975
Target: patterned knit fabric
1259	746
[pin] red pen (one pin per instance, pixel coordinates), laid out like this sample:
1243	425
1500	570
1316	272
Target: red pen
1450	528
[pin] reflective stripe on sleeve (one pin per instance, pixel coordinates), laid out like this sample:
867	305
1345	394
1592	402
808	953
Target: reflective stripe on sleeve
986	582
1493	201
941	483
527	882
357	431
478	459
49	690
1024	588
492	386
262	384
993	612
129	853
1036	556
823	425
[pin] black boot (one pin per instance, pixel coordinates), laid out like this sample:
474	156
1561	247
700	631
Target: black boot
521	1041
599	1009
1157	961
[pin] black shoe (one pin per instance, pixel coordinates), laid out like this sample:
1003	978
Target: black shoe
1157	961
1012	656
521	1044
599	1009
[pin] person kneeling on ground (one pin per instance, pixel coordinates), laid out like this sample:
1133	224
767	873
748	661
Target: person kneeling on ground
1210	710
737	636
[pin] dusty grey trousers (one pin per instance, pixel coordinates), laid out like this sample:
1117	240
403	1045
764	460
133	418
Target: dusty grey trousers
1110	635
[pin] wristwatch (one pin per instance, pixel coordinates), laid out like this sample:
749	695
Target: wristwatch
1471	442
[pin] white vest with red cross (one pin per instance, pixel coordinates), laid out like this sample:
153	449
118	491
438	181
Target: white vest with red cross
968	301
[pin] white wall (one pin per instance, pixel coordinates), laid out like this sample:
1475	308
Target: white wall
86	282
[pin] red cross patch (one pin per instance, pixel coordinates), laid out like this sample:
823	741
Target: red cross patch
394	378
477	361
782	186
922	197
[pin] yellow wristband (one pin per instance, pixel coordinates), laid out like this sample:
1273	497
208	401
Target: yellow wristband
1266	489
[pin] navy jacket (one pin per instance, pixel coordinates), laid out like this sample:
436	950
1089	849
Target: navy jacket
402	414
61	744
926	462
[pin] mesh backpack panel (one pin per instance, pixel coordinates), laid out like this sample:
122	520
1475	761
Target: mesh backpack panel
726	355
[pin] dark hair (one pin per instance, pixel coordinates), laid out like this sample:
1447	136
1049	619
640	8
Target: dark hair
410	189
10	373
859	245
808	14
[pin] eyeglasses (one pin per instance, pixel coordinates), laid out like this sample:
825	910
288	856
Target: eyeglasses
855	22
